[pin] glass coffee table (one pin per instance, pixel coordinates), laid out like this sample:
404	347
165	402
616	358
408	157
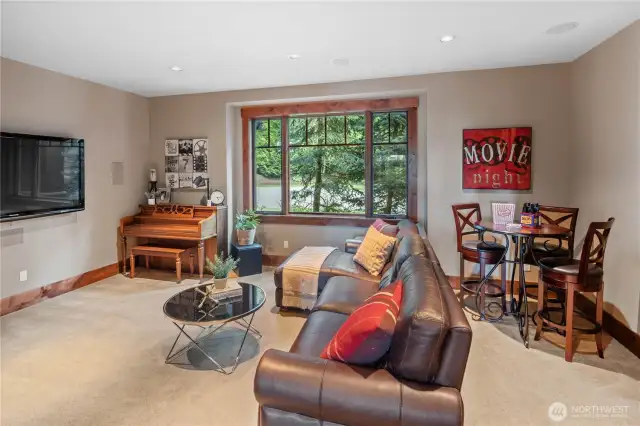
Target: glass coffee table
199	307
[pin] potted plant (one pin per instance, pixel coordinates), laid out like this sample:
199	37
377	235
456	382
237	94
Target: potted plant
151	197
220	268
246	224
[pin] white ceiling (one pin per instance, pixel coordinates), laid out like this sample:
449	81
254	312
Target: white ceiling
242	45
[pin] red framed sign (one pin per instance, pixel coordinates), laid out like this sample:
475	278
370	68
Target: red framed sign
496	158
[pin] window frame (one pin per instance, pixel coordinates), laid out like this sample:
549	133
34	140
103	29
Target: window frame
367	107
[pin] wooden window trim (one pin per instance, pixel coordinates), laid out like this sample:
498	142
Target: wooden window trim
368	106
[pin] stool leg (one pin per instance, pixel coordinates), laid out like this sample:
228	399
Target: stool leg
132	263
599	303
503	279
178	268
191	263
461	293
568	348
482	272
542	294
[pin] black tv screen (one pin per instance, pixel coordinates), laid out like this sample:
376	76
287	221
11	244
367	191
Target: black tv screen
40	175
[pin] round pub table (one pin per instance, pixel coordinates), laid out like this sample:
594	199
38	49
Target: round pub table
523	237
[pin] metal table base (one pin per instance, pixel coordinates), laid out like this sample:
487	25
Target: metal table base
206	332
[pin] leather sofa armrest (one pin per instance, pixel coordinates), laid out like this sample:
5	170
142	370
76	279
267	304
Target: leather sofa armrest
349	395
351	245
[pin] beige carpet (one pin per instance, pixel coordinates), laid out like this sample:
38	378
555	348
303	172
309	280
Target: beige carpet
95	356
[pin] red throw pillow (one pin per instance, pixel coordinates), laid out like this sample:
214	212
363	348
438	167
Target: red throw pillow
366	335
387	229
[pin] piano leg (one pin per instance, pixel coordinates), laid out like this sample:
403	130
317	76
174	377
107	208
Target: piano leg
201	258
123	244
178	268
133	266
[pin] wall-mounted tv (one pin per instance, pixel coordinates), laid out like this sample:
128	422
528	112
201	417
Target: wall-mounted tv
40	176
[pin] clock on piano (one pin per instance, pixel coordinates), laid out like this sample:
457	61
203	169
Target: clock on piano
217	198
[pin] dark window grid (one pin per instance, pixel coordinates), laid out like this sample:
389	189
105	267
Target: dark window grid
324	116
255	166
406	178
388	114
388	143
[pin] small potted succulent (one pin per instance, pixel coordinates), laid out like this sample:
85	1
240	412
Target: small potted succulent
246	224
151	197
220	268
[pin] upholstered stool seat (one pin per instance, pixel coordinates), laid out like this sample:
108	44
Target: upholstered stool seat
482	245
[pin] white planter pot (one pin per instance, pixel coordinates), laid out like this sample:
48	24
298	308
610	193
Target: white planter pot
246	238
151	201
220	283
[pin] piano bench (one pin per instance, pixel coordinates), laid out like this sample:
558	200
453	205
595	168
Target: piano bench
173	253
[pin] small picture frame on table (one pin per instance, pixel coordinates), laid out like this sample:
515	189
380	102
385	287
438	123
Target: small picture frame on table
163	196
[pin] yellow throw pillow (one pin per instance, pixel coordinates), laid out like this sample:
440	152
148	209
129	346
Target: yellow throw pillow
375	250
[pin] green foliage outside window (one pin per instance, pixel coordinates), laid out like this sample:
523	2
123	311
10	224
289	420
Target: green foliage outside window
327	163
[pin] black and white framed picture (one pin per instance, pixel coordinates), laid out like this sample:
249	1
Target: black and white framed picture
163	196
185	164
200	147
171	164
200	180
185	146
200	164
186	180
172	180
171	147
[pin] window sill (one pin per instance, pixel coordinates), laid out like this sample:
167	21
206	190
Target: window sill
323	220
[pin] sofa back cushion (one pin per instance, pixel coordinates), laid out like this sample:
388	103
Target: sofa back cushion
423	323
407	227
409	245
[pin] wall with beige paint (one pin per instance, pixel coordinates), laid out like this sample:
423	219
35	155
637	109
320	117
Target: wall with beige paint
605	92
528	96
115	126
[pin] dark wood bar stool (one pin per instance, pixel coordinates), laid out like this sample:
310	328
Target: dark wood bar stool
571	275
565	217
478	251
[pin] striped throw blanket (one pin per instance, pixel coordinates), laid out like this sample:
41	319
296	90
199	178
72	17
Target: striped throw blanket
300	277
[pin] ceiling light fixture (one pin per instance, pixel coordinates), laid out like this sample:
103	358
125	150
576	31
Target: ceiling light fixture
175	68
447	38
294	56
562	28
340	62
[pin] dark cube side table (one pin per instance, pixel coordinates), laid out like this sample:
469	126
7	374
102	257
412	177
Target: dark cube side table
250	259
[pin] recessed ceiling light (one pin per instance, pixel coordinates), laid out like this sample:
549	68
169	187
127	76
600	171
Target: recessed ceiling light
340	62
447	38
175	68
294	56
562	28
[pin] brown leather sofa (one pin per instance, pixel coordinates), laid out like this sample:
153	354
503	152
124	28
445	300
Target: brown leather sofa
341	264
417	384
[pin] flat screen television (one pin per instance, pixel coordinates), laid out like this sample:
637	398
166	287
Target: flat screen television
40	176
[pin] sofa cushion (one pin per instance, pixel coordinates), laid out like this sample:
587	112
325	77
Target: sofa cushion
407	227
375	251
317	332
344	295
410	245
423	323
385	228
340	264
365	336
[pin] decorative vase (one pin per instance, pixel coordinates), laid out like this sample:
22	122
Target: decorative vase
220	283
245	238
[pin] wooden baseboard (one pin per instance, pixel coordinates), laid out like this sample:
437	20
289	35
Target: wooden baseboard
617	329
273	259
37	295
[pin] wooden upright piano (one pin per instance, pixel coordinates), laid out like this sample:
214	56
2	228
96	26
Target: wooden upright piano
177	225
